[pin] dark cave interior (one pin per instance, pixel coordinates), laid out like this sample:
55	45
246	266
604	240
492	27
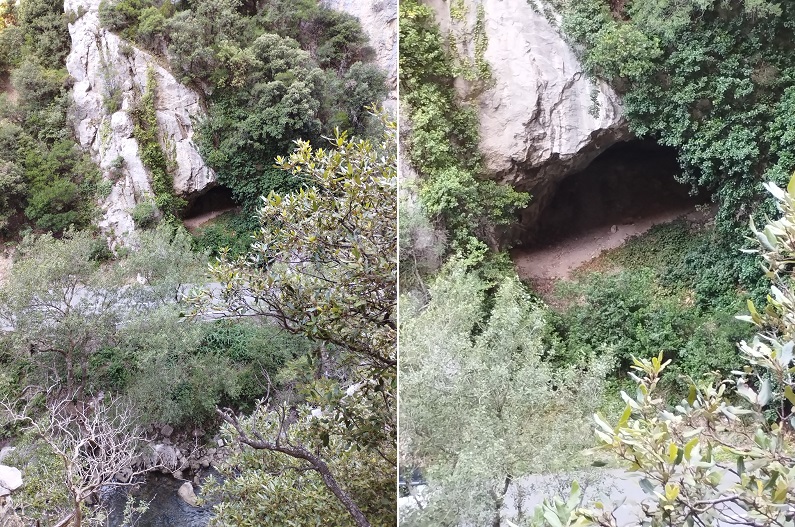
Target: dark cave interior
218	198
629	181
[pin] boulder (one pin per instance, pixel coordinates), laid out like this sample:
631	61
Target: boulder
187	494
165	455
10	479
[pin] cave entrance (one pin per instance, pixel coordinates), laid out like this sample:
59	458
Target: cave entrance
625	191
209	205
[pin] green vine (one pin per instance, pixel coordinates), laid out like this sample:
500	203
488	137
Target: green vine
443	145
458	10
152	153
460	38
482	66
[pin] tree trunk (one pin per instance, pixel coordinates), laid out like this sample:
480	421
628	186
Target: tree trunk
499	501
300	452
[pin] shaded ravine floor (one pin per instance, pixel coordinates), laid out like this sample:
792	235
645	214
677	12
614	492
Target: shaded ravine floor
557	261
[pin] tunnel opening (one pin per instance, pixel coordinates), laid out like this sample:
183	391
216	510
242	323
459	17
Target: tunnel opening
623	192
209	205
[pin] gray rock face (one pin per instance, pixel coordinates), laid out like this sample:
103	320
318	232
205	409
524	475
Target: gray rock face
10	479
165	455
110	75
379	21
541	117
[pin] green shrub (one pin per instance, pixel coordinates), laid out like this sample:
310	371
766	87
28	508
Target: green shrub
100	251
253	351
632	314
37	86
61	183
11	41
46	33
230	230
12	187
123	16
111	369
145	214
182	371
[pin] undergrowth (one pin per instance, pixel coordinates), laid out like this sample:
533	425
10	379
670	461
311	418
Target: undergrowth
663	291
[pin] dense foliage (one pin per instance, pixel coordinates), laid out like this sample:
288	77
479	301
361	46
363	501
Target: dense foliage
635	304
480	406
92	325
78	325
714	80
678	449
323	265
270	74
45	179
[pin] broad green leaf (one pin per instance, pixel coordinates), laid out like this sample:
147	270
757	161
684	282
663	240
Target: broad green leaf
646	485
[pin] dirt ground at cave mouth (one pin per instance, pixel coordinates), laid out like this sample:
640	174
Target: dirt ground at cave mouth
557	261
197	221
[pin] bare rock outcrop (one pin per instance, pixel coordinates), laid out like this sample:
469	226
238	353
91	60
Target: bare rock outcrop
10	479
187	494
541	117
379	21
110	76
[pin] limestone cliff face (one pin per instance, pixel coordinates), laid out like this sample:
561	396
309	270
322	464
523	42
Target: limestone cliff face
104	68
541	117
379	21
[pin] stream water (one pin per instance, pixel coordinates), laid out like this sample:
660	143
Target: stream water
166	508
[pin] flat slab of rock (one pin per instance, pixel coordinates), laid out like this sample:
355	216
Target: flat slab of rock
10	479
